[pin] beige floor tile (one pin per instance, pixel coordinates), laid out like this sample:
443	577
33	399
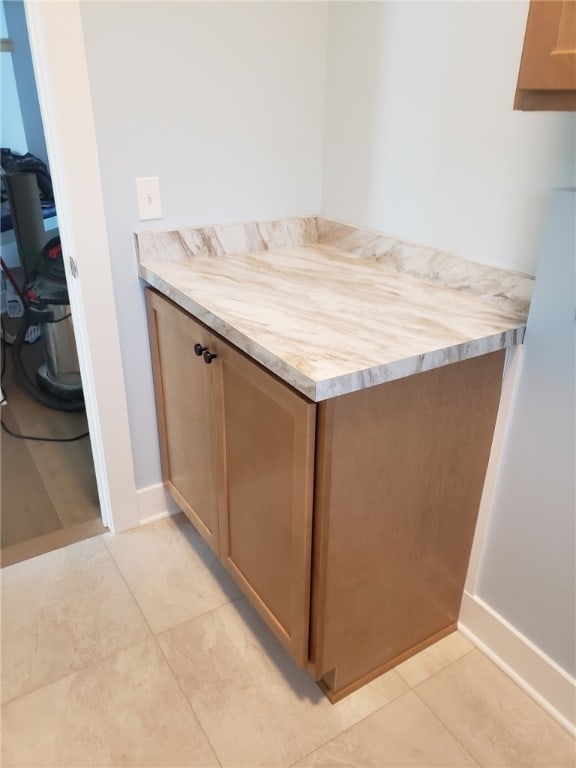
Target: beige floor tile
493	718
404	733
126	710
61	611
172	572
256	707
433	659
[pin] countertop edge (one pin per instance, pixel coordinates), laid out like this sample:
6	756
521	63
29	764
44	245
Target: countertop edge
410	366
346	383
261	355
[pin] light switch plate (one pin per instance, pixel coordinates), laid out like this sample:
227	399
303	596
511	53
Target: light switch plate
148	194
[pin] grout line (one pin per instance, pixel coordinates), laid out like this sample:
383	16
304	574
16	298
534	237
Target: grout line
472	650
449	664
351	727
76	671
132	595
201	615
450	731
152	637
172	626
105	658
188	702
411	689
99	658
158	645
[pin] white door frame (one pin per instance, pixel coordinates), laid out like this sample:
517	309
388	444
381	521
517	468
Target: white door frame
59	57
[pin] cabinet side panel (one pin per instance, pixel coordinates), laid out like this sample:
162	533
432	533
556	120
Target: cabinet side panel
184	403
402	486
266	518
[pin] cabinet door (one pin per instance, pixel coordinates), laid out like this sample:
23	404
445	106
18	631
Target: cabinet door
266	505
185	409
547	78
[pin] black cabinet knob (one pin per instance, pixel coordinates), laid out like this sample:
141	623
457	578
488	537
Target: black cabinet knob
209	356
199	349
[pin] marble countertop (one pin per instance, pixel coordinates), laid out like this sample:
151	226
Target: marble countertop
331	308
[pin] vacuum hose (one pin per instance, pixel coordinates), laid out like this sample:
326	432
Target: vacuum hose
23	379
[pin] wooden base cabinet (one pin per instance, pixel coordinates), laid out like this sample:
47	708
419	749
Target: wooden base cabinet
348	524
237	448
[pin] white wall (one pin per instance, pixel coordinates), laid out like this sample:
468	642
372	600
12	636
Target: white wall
224	102
528	571
421	140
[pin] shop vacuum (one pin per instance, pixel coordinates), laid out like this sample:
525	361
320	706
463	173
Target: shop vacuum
58	384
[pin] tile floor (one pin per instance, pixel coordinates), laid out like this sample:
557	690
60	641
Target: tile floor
137	650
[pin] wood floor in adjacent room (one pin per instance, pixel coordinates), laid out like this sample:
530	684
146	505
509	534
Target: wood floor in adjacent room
48	489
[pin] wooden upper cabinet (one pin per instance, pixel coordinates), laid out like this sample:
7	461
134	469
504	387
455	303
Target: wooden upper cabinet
547	77
185	412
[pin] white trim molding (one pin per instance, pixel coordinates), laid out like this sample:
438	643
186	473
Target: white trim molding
66	106
155	503
537	674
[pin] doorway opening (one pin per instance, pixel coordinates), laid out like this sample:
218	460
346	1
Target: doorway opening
49	491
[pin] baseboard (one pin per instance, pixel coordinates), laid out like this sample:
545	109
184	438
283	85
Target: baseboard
542	679
155	503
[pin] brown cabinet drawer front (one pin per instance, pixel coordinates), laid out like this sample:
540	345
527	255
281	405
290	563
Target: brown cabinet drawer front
268	435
